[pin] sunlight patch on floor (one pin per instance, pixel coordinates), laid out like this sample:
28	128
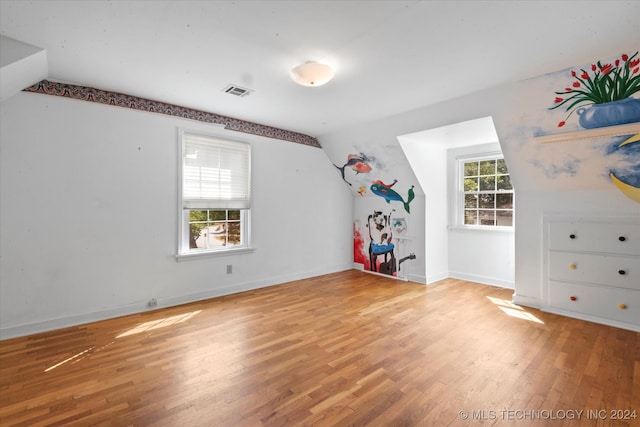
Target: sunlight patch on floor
160	323
69	359
514	310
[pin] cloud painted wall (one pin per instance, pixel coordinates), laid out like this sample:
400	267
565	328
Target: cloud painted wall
545	106
573	177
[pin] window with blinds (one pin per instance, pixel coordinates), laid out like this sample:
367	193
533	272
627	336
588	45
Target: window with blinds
215	173
215	194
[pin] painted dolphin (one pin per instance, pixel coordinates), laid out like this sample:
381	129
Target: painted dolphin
380	189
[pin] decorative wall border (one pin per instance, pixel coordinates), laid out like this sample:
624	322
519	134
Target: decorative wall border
127	101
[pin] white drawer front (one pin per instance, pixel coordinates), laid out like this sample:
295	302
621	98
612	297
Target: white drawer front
617	238
609	303
618	271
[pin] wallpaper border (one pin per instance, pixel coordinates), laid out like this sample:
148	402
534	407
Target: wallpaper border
90	94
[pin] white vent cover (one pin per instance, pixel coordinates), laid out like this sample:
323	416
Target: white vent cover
237	90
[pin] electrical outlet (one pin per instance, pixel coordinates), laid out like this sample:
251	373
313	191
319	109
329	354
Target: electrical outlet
229	268
152	302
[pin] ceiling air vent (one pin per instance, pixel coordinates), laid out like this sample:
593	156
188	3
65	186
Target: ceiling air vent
237	90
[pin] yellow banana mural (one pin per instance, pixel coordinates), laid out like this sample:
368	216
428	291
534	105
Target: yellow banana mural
634	138
628	190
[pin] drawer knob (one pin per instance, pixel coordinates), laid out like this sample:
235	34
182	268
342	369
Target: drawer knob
622	272
622	238
572	298
572	236
622	306
574	266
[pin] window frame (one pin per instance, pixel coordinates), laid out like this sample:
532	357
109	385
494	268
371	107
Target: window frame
183	250
459	199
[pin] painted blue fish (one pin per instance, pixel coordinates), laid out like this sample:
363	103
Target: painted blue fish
383	190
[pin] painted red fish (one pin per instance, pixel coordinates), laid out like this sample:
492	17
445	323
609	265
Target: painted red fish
358	162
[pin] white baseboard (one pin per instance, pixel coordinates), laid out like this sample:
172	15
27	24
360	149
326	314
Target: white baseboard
432	278
594	319
492	281
375	273
417	278
140	307
525	300
410	278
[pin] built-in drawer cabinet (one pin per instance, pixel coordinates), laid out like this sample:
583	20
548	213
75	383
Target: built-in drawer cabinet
622	305
609	270
592	269
595	237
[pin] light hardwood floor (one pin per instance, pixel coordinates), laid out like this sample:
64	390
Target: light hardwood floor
345	349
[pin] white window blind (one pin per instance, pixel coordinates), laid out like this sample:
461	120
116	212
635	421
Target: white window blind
216	174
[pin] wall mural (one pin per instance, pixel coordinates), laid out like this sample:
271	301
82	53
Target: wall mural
627	179
576	129
359	163
383	190
602	95
380	235
382	245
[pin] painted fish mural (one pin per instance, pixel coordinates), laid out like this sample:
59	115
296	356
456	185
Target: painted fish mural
358	162
383	190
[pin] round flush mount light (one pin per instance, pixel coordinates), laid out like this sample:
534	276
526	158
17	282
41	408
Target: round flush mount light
312	74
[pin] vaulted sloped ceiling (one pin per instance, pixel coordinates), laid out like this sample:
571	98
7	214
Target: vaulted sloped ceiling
21	65
390	56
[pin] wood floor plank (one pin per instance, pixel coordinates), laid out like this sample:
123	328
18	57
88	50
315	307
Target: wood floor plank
344	349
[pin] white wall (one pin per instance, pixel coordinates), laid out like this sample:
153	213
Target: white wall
531	209
429	163
382	136
479	255
89	218
506	105
484	256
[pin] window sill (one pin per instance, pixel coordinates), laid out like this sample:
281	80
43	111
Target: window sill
481	229
213	254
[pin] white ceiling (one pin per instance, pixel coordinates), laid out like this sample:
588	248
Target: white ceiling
471	132
390	56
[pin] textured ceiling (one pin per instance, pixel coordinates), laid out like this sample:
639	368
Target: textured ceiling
390	56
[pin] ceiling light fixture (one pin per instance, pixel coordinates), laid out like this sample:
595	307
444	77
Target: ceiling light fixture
312	74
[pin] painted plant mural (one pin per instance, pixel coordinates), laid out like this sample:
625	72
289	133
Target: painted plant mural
601	95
